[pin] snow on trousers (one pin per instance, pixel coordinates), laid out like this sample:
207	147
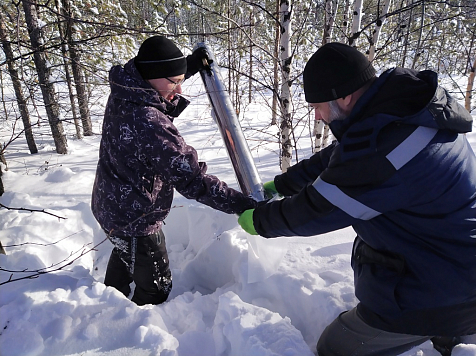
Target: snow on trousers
144	261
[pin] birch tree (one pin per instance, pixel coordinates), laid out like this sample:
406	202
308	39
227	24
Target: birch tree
277	40
250	82
345	19
286	58
44	76
321	130
356	22
378	27
469	89
330	13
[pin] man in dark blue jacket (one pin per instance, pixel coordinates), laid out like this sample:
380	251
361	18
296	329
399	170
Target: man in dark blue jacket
142	159
403	175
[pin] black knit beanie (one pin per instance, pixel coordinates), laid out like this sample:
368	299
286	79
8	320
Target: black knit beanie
335	71
159	57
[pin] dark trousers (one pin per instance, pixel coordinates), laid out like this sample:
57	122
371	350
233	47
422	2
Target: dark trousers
144	261
349	335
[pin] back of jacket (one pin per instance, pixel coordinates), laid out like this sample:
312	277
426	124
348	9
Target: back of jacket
404	176
143	157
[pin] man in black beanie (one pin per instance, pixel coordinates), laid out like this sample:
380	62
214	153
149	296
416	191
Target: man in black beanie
142	158
403	175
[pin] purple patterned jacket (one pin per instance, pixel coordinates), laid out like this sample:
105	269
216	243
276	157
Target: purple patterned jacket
142	158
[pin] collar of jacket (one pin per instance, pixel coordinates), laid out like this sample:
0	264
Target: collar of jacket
401	96
407	96
358	133
175	107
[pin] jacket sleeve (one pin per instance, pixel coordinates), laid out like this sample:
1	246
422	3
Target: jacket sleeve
346	192
304	214
304	172
177	164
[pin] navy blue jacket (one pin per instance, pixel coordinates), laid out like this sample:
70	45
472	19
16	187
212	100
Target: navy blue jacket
403	175
143	157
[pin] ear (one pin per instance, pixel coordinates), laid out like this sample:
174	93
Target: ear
347	100
346	103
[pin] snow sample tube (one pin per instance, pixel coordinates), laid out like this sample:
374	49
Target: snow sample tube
225	116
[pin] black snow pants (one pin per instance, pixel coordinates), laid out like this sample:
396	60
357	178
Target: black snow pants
144	261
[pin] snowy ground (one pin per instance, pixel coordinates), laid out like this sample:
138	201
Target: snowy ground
228	299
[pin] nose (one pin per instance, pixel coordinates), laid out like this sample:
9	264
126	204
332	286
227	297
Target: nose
178	89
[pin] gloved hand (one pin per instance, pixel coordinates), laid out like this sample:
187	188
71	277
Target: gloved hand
270	189
246	221
195	61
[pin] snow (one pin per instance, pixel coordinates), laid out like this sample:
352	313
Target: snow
233	294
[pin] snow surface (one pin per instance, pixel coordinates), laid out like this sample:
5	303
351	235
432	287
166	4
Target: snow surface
232	294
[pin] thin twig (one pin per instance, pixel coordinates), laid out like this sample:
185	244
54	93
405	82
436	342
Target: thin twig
32	210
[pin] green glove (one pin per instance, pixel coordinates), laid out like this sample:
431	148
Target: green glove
246	221
270	189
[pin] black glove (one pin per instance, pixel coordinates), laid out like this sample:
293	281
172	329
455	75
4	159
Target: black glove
195	61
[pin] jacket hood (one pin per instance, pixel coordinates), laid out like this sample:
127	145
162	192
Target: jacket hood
127	84
409	97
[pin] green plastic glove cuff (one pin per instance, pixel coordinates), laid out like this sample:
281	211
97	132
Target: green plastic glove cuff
246	222
270	187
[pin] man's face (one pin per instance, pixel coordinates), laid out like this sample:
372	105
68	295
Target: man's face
168	87
328	111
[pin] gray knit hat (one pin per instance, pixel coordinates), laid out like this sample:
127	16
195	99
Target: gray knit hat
335	71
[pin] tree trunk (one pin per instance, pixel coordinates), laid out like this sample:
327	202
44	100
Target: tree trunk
356	20
319	134
250	83
469	88
77	72
286	58
321	130
378	27
407	34
330	12
44	76
64	51
229	50
345	21
237	70
276	67
22	106
2	190
417	50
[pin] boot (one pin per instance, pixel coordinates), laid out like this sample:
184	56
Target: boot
444	344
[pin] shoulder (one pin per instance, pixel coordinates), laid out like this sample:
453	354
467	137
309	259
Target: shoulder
363	160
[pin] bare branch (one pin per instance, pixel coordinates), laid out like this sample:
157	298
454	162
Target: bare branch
53	268
32	211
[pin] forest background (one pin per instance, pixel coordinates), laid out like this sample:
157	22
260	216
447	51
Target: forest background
57	54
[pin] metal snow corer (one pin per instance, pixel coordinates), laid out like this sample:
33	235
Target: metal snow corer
230	129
